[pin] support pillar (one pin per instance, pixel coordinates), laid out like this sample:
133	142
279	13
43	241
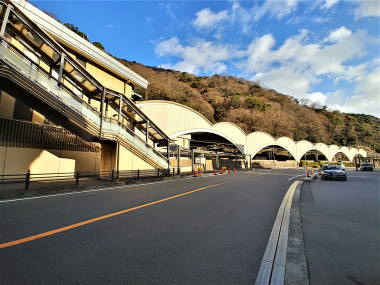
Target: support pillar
217	161
120	107
106	110
168	153
102	111
147	132
5	20
60	72
179	161
192	161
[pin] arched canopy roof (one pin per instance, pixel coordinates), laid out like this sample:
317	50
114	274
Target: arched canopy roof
215	132
176	119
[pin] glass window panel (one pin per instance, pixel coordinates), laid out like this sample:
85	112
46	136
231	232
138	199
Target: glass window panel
32	37
89	86
78	76
2	11
16	22
31	55
68	67
50	52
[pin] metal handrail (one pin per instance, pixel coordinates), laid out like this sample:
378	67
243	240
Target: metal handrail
18	133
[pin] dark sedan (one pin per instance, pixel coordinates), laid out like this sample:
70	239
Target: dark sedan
367	167
333	172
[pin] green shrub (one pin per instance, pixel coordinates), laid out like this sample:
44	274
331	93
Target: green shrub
255	103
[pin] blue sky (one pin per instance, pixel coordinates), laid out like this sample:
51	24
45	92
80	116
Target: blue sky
325	51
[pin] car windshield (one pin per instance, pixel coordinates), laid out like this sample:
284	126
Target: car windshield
332	167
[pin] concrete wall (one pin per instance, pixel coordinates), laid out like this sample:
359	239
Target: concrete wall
129	161
84	161
274	164
15	160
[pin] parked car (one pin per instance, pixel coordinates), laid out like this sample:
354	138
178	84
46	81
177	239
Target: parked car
367	167
333	172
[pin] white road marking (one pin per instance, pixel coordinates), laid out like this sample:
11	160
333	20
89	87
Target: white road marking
296	176
285	174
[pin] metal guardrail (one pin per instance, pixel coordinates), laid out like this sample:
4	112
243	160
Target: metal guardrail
76	177
14	133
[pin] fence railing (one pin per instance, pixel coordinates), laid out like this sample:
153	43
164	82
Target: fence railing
75	177
14	133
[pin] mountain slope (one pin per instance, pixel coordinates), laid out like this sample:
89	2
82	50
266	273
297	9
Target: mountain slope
253	108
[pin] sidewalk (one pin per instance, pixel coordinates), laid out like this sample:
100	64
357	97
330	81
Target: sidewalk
340	222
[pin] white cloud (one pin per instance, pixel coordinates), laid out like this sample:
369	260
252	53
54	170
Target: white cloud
329	3
293	67
286	81
339	34
365	96
200	56
317	97
364	8
275	8
324	57
367	8
206	18
245	17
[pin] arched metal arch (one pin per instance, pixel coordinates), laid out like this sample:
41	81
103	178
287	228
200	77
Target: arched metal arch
304	147
211	131
257	141
176	119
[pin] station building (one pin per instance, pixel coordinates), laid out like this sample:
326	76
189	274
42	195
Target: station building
67	106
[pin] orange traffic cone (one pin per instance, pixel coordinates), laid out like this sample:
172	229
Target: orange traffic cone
220	171
215	172
234	170
195	173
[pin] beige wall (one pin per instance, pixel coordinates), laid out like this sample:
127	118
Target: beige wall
7	104
108	80
15	160
84	161
108	157
129	161
274	163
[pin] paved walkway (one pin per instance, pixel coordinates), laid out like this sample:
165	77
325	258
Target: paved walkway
341	228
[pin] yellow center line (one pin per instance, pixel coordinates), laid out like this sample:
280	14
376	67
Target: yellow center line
93	220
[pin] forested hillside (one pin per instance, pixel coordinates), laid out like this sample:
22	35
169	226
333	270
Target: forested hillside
253	108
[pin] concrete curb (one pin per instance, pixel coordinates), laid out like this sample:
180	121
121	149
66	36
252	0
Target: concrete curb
296	271
273	264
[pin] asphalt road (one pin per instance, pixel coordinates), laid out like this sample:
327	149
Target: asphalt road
341	224
203	230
